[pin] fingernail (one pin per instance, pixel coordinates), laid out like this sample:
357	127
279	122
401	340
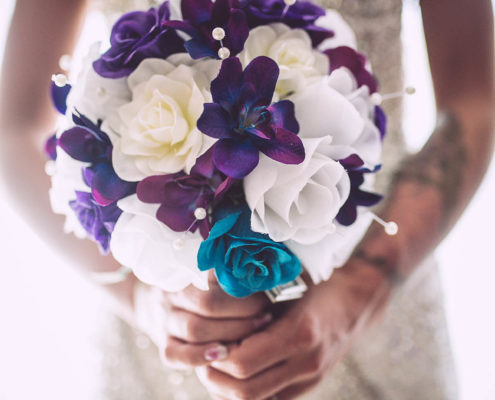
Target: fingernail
263	320
216	353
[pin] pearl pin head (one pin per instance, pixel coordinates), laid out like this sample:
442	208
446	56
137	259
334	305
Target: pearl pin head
224	53
60	80
290	2
218	33
200	213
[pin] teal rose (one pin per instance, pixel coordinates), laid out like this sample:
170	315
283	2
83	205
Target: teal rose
245	262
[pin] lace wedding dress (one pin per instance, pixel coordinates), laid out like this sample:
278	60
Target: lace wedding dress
407	357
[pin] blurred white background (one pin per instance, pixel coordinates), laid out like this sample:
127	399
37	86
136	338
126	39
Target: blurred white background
48	314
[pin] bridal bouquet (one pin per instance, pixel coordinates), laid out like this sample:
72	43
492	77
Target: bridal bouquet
235	135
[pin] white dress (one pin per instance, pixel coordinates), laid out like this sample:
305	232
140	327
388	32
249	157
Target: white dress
406	357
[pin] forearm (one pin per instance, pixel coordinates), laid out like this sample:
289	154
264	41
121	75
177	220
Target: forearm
430	192
22	173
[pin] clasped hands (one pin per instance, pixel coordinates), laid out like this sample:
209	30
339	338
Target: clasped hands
251	349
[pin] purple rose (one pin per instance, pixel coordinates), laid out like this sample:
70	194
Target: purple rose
97	221
135	36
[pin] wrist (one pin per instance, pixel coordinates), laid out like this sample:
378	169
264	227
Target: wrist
367	291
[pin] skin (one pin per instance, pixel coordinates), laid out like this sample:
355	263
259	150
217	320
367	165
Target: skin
265	350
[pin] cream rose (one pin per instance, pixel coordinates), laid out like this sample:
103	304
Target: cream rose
146	245
293	52
297	202
157	129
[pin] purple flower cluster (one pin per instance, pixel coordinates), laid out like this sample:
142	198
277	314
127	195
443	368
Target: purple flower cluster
302	14
97	211
144	34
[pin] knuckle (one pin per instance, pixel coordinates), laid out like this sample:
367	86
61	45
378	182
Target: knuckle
194	329
241	369
244	392
206	303
168	354
306	334
315	364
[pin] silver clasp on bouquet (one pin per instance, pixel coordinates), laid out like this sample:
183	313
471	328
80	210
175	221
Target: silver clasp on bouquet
289	291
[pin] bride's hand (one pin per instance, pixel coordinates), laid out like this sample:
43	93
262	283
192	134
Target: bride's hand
291	355
192	327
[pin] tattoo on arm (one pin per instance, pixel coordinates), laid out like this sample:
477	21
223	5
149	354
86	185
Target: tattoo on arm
381	263
440	163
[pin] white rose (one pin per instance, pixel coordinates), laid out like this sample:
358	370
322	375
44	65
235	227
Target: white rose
343	33
157	129
336	107
297	202
66	177
293	52
94	96
321	258
144	244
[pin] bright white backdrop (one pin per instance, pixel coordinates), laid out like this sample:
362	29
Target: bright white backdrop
48	314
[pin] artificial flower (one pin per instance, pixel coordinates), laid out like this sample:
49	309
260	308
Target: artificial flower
157	129
200	17
94	96
291	49
357	197
87	143
244	120
97	220
302	14
59	97
335	106
356	62
180	195
136	36
147	246
297	202
244	261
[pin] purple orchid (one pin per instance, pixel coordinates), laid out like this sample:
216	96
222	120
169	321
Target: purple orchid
50	147
98	221
59	97
201	17
87	143
135	36
381	121
179	195
356	62
244	120
348	212
302	14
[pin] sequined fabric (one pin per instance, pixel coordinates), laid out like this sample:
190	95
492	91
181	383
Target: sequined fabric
406	357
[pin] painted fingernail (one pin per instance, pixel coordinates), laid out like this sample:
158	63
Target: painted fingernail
216	353
263	320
